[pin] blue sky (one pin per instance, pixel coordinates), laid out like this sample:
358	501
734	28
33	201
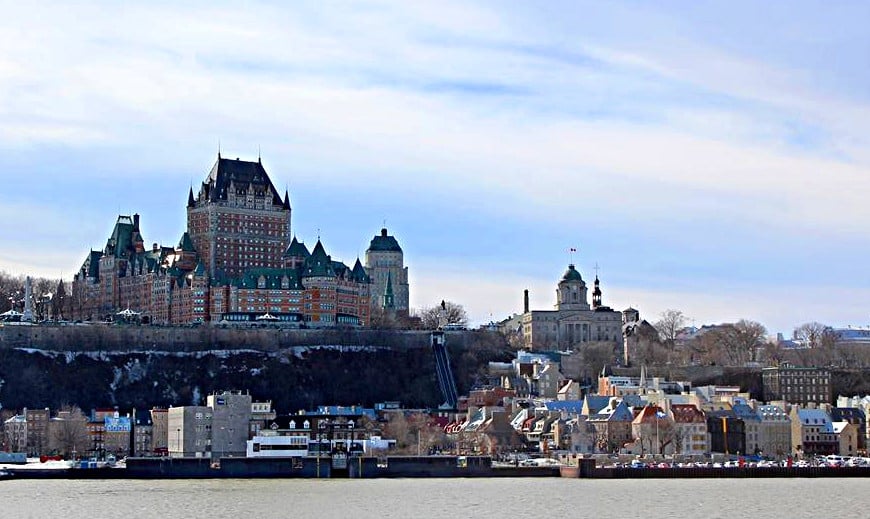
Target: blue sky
710	157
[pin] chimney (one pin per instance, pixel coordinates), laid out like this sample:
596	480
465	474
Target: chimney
136	222
526	301
154	247
384	232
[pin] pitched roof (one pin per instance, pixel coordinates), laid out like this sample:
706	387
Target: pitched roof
185	243
384	243
567	406
595	403
250	175
296	249
359	273
121	240
318	264
687	413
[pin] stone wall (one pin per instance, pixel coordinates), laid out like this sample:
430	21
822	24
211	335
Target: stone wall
202	338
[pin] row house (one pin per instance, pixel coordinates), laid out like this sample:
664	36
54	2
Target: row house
690	430
813	432
612	426
774	432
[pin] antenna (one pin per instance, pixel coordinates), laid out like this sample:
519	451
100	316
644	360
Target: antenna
596	270
571	251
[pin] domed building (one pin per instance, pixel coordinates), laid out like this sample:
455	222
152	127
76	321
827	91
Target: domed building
573	321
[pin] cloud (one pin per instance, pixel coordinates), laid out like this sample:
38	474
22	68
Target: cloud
662	149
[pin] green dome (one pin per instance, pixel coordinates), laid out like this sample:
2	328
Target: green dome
572	274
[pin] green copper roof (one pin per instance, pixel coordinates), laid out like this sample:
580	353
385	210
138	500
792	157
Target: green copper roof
318	264
359	273
296	249
572	274
270	278
186	244
121	240
384	243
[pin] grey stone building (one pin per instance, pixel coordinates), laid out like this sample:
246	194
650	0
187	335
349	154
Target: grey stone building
573	321
385	265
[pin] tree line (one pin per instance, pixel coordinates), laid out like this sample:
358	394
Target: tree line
49	297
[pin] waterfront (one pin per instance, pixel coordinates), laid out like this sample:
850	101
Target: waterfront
708	498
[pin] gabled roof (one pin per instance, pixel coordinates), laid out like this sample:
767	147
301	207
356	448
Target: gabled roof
648	414
384	243
813	417
593	403
745	412
91	266
185	243
687	413
121	240
241	173
296	249
359	273
615	412
318	264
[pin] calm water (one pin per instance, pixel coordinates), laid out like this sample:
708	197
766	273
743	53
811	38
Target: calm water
463	498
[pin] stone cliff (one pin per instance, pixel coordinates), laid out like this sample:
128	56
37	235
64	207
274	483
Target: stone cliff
142	367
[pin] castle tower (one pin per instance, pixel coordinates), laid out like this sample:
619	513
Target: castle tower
238	219
385	262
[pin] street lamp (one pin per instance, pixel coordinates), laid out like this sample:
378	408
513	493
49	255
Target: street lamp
178	441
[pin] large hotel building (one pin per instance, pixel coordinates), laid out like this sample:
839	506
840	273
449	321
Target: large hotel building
237	262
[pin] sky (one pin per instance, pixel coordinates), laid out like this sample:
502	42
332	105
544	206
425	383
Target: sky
709	157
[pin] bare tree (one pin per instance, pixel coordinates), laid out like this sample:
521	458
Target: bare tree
669	325
447	312
68	433
821	345
814	335
733	343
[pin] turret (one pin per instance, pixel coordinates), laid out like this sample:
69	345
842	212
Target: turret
596	294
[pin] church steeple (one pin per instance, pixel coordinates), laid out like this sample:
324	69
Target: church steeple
389	299
596	293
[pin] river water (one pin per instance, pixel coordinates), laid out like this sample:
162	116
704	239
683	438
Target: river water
442	498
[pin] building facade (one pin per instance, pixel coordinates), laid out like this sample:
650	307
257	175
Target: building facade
385	265
237	262
797	385
573	321
231	417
